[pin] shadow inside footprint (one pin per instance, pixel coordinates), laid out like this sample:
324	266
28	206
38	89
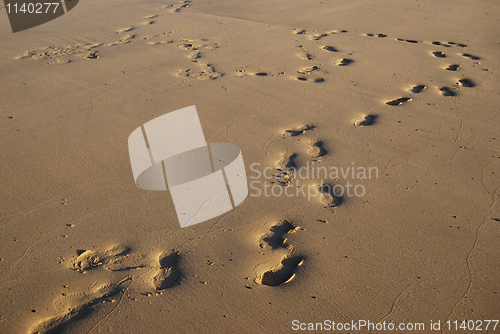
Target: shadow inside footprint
369	120
439	54
468	55
417	89
329	197
317	149
283	273
447	92
345	62
466	83
168	274
452	67
277	238
399	101
330	48
293	133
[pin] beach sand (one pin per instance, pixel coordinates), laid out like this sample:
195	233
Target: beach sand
406	88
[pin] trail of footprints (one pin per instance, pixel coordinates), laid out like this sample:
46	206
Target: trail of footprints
203	70
166	274
285	270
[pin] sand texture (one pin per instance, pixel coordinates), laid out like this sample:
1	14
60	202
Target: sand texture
407	88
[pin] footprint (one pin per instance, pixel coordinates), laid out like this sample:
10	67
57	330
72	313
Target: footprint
299	131
344	62
439	54
378	35
447	92
308	70
452	67
368	120
242	73
328	196
330	48
283	273
407	40
277	237
125	30
286	169
315	80
116	258
57	324
417	89
466	83
307	55
467	55
299	32
317	150
168	273
399	101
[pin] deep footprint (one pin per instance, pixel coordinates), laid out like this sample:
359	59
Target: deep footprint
417	89
399	101
368	120
447	92
168	274
439	54
452	67
467	55
344	62
466	83
299	131
283	273
277	239
317	149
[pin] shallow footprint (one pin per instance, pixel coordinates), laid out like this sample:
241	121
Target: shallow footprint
299	131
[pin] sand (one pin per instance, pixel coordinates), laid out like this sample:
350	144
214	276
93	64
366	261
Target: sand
407	88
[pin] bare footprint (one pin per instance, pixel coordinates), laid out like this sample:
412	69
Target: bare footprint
277	237
439	54
317	149
299	131
344	62
466	83
418	89
368	120
103	294
283	273
399	101
168	273
116	258
452	67
328	196
447	91
285	270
